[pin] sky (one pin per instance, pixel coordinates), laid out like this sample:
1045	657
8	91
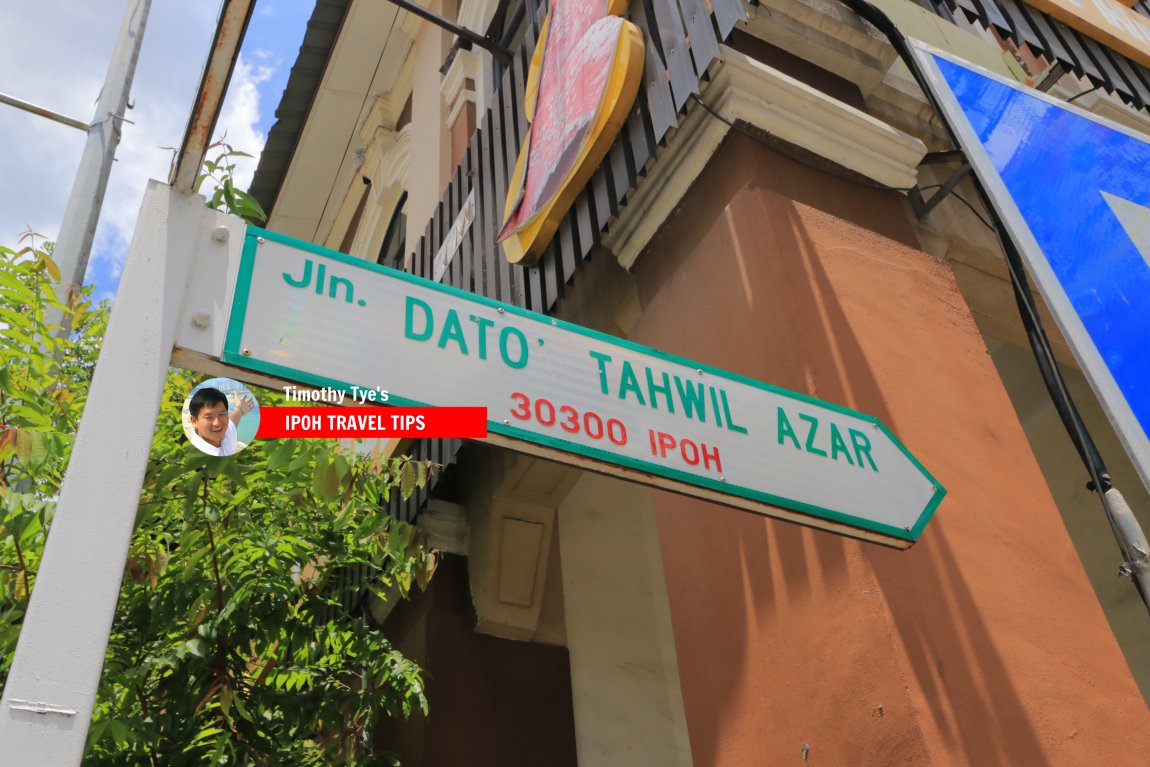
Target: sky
56	54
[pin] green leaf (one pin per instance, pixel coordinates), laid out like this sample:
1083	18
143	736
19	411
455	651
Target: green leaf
50	266
23	442
406	480
279	453
119	731
226	701
241	709
325	482
32	448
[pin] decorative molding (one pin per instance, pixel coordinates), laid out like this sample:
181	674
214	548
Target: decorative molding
749	91
409	24
516	584
384	113
827	35
394	160
456	93
825	32
476	15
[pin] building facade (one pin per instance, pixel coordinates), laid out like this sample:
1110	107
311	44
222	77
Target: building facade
761	211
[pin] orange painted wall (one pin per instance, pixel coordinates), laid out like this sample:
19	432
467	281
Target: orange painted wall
984	644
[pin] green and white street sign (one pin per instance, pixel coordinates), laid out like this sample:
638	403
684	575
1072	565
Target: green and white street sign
316	317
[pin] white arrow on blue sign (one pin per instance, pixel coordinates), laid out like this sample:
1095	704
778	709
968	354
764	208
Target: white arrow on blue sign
1074	191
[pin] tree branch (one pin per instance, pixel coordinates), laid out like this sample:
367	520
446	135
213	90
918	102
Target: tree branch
23	572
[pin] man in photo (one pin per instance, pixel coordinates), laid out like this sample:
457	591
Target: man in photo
214	430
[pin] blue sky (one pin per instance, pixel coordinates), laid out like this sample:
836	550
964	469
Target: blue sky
58	59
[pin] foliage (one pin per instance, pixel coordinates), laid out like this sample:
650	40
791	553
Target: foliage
220	171
38	409
233	642
231	646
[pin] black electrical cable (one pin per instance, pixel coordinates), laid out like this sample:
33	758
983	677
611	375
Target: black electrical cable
1067	411
973	210
1039	344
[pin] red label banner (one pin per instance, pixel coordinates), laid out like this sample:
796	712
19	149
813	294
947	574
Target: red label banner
372	422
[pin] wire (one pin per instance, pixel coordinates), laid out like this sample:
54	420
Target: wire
1040	344
965	202
351	137
1079	95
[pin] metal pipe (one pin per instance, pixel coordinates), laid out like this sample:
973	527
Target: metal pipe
28	106
498	51
233	23
78	227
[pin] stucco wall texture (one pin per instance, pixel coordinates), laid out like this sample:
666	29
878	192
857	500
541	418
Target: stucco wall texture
982	645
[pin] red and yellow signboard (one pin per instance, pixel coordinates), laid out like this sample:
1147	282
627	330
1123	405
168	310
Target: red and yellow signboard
583	80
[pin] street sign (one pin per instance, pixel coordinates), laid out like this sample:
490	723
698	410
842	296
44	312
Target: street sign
306	314
1073	190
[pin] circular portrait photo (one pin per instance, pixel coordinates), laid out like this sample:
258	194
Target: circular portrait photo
221	416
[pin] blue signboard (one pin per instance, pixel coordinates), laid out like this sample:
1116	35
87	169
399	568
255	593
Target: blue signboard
1074	192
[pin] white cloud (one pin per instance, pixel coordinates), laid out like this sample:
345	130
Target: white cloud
56	55
240	116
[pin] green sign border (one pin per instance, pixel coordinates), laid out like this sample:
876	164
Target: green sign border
233	356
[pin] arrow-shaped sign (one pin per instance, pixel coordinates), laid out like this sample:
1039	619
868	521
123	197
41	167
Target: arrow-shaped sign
309	315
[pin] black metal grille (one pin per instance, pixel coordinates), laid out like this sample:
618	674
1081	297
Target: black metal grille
674	69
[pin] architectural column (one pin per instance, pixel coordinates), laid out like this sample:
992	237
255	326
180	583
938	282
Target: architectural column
624	674
432	153
459	97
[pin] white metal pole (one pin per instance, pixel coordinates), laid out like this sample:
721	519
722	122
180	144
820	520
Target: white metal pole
78	228
28	106
47	702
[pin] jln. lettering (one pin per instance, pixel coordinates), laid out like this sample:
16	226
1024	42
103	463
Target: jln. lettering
333	283
656	391
693	453
420	325
826	443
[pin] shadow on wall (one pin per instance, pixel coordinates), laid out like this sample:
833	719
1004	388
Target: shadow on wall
788	636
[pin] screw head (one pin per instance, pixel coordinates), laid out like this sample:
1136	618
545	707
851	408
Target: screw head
246	352
506	422
260	240
501	310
